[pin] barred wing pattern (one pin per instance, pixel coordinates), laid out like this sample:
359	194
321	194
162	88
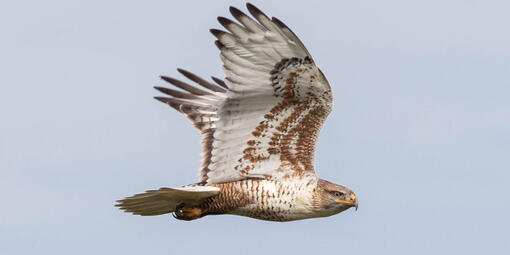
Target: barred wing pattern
263	121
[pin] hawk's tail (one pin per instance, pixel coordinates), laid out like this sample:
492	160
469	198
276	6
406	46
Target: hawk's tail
165	200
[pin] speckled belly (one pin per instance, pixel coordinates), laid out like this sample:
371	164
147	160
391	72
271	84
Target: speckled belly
264	199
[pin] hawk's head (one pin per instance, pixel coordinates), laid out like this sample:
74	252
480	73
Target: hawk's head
333	198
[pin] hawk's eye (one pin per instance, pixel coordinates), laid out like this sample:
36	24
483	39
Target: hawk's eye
338	193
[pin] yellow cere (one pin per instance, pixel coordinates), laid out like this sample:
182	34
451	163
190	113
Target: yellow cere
353	196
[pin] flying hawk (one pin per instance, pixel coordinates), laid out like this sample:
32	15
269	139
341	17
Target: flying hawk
259	130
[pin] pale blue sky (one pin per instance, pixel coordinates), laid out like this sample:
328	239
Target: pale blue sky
420	128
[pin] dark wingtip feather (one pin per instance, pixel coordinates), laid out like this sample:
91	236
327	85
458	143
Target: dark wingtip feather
219	45
184	86
174	93
167	79
251	6
225	21
279	23
160	89
236	12
254	10
197	79
216	32
189	75
183	72
219	82
162	99
169	102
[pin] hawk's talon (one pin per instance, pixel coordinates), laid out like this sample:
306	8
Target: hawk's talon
187	213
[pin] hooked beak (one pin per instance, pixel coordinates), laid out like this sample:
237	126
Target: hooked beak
352	201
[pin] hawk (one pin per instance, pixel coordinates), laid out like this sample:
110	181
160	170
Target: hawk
259	130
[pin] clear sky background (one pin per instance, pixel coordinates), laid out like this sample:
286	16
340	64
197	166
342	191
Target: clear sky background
420	128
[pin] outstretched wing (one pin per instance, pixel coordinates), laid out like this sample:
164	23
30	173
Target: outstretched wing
263	121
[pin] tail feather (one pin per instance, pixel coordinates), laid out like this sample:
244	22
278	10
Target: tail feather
164	200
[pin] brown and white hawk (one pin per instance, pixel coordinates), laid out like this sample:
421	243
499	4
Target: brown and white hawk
259	130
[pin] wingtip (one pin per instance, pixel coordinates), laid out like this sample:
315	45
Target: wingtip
169	79
224	21
221	19
236	12
278	22
184	72
250	5
219	82
160	89
166	78
219	45
216	32
161	99
254	10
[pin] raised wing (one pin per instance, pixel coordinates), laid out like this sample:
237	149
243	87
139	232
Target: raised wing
264	120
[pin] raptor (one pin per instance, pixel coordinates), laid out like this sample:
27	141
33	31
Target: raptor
259	128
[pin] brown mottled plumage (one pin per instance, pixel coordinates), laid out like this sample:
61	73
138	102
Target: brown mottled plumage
259	130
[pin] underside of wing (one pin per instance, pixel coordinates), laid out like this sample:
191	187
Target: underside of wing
200	103
263	121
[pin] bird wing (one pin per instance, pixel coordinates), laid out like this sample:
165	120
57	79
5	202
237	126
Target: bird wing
264	119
